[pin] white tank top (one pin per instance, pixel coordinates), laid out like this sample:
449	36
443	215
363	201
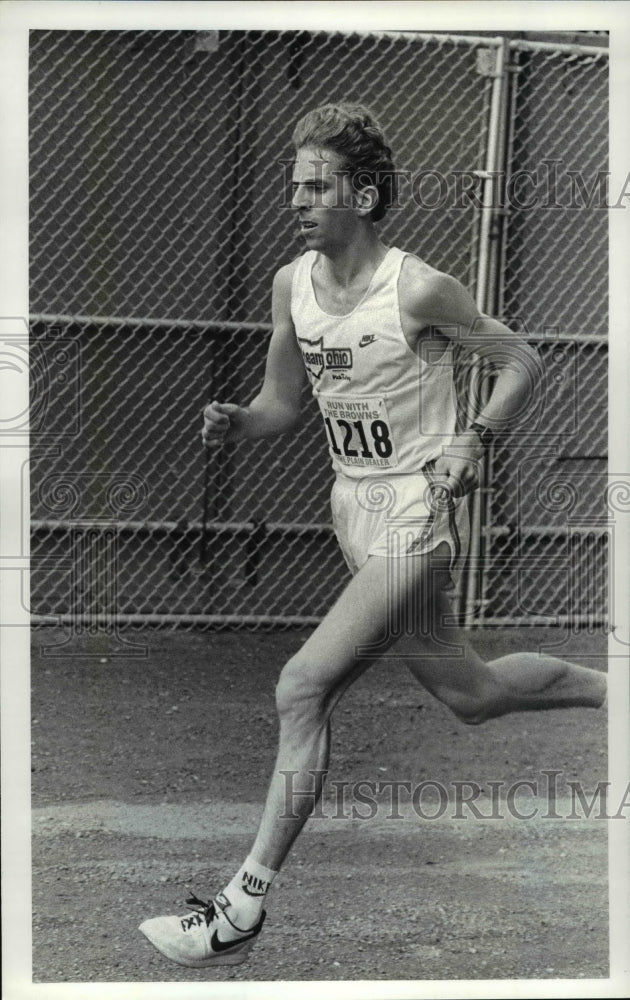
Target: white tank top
385	409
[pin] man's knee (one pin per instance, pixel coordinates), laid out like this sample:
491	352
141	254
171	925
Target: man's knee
297	694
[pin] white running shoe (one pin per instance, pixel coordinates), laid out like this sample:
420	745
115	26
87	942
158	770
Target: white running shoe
205	937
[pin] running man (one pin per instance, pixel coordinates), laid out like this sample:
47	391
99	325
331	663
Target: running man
373	329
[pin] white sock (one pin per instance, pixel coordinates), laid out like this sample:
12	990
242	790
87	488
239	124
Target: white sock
247	890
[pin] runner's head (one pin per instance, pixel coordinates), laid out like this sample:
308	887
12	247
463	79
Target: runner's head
350	131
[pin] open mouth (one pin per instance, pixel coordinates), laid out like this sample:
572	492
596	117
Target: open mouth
305	224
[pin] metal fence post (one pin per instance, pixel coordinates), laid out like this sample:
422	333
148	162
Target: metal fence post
484	294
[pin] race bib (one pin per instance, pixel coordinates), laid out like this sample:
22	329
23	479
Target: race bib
358	430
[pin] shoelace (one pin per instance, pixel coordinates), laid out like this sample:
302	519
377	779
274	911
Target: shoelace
207	910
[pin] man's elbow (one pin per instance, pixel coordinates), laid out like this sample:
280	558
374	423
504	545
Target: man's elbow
518	358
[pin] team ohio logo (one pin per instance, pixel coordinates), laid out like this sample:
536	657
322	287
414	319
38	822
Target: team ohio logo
318	359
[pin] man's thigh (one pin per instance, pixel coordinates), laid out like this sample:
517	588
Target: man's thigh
383	595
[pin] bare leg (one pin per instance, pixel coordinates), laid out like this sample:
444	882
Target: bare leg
476	690
310	686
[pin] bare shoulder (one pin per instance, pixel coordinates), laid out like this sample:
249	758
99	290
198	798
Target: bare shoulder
281	294
423	288
429	297
283	277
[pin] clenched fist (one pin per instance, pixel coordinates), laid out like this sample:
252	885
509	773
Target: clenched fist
459	470
223	423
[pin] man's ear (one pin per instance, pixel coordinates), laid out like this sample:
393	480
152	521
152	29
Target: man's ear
366	199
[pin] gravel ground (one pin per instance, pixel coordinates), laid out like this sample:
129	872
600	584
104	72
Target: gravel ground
148	778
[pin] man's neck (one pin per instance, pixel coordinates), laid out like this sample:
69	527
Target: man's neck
354	262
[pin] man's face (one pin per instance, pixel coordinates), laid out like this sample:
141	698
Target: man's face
323	198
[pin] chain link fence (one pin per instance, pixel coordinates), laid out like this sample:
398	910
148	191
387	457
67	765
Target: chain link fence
545	520
159	214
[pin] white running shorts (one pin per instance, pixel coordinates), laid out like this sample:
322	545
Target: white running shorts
398	516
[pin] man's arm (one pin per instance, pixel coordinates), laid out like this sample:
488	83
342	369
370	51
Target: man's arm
276	408
443	303
430	299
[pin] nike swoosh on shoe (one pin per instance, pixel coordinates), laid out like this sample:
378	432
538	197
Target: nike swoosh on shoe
218	945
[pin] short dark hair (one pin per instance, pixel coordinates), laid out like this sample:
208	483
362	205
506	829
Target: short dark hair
351	131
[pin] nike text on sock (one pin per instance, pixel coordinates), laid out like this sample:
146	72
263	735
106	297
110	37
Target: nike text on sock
254	886
248	889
